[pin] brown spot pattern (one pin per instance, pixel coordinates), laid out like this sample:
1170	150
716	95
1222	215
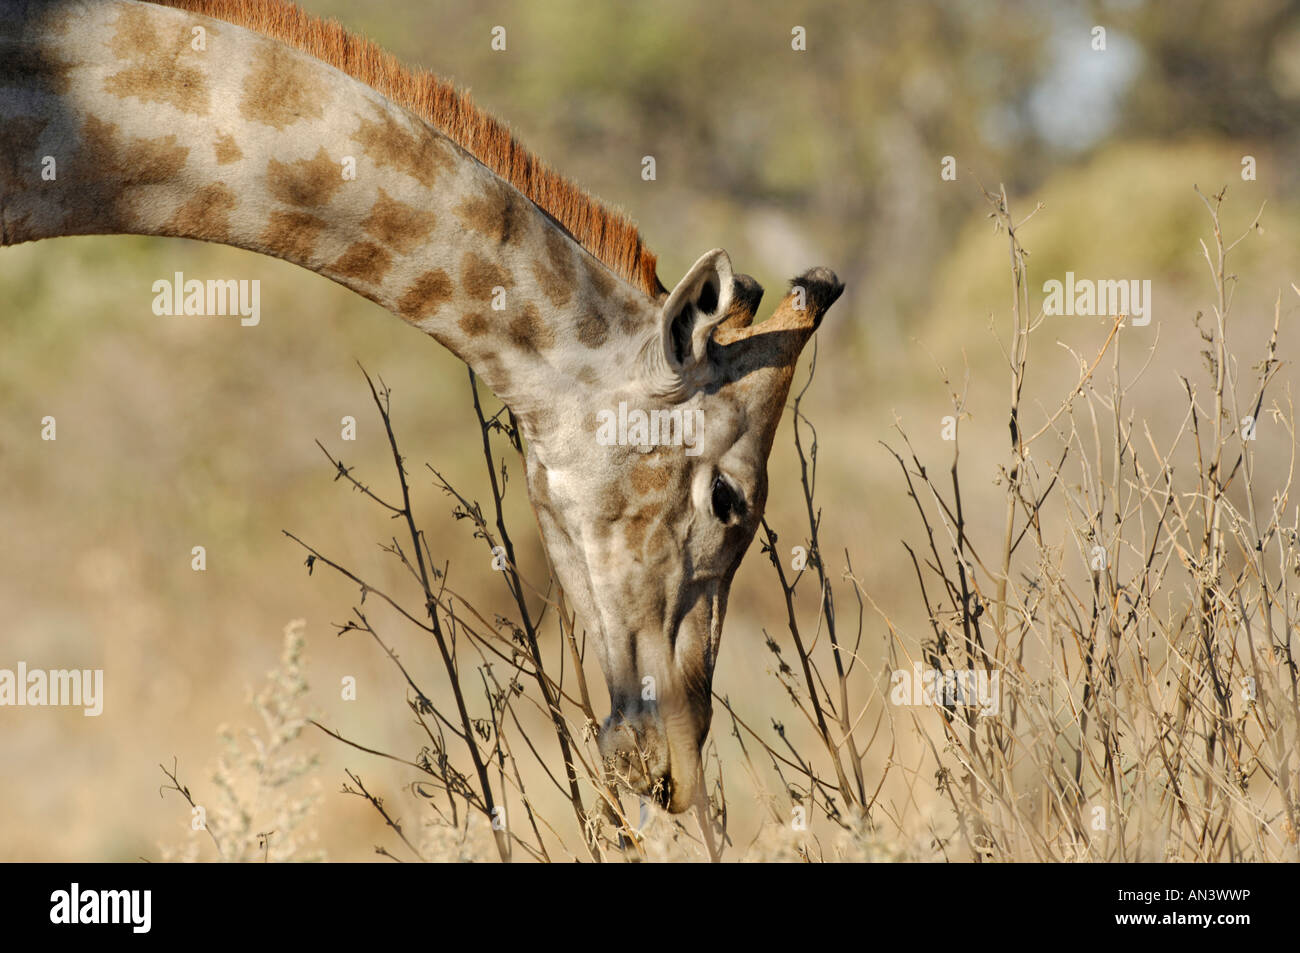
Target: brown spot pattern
156	70
499	212
528	332
473	324
281	88
107	170
308	183
426	295
227	149
647	478
593	329
638	525
397	225
23	66
205	215
419	152
293	235
478	276
605	233
555	275
20	160
363	260
616	501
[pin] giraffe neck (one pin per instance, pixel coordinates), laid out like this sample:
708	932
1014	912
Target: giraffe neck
126	117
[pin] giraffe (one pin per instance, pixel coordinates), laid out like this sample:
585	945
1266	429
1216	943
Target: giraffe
232	121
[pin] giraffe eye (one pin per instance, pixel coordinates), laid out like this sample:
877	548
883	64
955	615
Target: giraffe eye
725	501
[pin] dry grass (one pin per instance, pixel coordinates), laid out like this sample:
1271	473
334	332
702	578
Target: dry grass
1134	616
1138	606
260	796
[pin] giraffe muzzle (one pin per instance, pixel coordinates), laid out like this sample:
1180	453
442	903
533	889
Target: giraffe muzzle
635	753
654	753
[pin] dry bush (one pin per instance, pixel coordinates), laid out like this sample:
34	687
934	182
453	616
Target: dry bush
263	792
1134	619
1138	617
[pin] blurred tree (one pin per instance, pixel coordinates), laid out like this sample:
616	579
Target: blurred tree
1232	69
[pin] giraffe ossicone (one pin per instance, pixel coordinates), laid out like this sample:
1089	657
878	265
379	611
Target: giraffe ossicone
287	136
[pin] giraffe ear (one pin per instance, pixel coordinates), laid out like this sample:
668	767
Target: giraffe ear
695	307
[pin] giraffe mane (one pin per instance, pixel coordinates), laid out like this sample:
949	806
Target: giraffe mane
605	233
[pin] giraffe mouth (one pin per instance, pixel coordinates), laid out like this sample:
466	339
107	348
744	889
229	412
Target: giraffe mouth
643	753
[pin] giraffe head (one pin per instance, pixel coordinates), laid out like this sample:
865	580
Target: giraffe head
649	482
